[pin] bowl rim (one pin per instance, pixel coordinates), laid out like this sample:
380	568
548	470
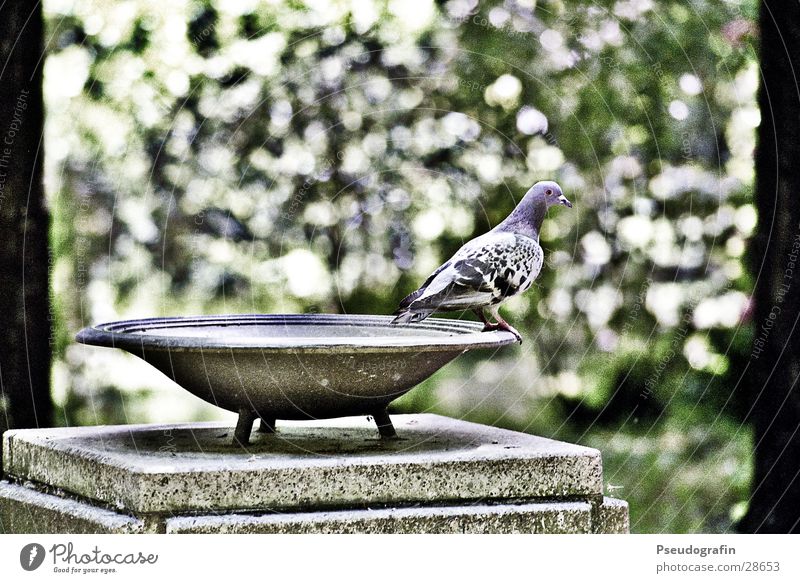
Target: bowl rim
128	335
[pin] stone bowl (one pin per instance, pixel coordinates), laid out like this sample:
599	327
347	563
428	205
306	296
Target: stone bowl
303	366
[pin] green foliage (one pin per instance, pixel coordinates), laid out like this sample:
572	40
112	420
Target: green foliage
306	156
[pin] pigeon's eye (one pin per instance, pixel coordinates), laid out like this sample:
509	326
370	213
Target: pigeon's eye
548	192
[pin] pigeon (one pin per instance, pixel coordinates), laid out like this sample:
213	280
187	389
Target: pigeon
489	269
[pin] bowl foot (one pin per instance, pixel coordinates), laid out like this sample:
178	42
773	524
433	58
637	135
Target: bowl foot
384	423
267	425
244	426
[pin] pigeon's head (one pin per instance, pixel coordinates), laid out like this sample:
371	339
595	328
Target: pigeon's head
529	214
551	192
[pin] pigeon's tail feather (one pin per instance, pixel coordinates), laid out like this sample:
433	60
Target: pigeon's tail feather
407	316
406	301
413	296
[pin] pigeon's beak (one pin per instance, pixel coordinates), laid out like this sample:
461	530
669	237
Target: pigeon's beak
563	200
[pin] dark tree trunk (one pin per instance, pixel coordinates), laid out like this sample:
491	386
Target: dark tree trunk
775	363
24	273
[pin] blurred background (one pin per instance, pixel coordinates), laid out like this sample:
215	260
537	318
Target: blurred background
244	156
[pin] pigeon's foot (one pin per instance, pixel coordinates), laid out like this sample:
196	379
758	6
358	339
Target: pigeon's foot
500	325
503	325
483	318
491	327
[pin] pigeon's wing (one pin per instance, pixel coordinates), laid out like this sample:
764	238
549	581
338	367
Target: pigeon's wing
406	301
485	271
467	250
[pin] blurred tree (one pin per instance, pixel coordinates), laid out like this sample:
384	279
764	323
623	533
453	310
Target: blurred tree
24	266
774	396
209	157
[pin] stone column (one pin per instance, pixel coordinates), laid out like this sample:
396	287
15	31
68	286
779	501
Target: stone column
441	476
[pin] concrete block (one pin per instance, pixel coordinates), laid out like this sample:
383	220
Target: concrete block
336	476
317	465
24	510
612	517
544	517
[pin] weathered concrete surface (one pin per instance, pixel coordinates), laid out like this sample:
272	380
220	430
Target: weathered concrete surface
442	476
26	511
326	464
544	517
611	517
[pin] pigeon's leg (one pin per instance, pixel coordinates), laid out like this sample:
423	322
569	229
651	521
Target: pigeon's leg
487	325
502	324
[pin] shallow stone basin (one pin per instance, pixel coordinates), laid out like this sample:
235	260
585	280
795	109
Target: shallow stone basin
303	366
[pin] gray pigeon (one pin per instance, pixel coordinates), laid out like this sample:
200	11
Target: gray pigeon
491	268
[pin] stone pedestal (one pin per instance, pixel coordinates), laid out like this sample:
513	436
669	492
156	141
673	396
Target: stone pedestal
442	475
